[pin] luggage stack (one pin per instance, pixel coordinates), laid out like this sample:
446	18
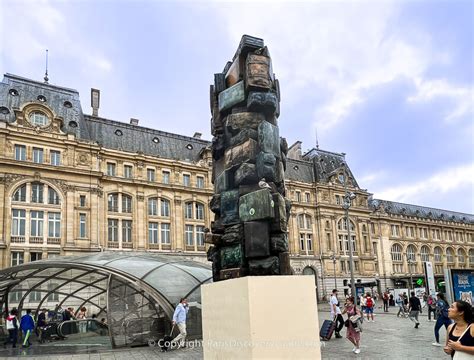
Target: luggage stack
249	234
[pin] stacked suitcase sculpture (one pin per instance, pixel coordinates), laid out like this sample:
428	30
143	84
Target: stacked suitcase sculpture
249	233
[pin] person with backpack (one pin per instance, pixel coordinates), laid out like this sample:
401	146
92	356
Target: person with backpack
442	308
431	303
12	327
369	307
27	325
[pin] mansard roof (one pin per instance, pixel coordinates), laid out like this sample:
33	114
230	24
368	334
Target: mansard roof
299	170
133	138
56	98
422	212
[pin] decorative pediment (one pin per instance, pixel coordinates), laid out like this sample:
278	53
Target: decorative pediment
39	117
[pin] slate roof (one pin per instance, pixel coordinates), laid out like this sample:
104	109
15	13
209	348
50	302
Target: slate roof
396	208
327	163
29	90
299	170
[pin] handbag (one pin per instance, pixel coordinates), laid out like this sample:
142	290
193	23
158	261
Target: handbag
461	355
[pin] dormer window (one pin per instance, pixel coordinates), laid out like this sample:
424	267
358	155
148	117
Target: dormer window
38	118
341	178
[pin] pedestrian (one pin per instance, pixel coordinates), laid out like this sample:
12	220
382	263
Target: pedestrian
401	305
41	324
336	314
353	329
12	327
363	303
179	318
391	301
385	301
82	315
369	307
431	304
460	340
442	312
27	325
414	309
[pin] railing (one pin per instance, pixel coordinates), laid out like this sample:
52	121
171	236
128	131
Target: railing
83	328
17	239
154	246
36	240
127	245
54	241
113	244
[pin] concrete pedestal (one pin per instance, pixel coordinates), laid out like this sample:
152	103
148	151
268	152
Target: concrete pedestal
261	317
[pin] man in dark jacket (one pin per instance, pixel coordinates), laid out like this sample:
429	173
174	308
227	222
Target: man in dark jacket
415	309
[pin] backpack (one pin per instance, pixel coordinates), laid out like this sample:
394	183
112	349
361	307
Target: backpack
11	322
370	302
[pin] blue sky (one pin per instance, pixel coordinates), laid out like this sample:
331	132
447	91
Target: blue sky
388	83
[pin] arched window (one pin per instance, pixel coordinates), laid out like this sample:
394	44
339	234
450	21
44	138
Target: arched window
165	208
126	203
188	210
425	253
450	255
37	190
112	202
396	252
38	118
471	257
341	225
53	197
461	256
199	211
411	253
20	194
438	254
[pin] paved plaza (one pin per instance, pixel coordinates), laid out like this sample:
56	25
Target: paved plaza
388	337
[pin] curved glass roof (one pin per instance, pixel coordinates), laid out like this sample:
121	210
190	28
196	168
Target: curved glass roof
166	277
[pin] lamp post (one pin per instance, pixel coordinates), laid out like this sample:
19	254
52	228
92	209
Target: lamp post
348	197
410	262
333	258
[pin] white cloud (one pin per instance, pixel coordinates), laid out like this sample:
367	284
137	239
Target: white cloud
443	182
430	90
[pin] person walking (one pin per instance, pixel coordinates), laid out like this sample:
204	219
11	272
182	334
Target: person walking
385	301
12	327
179	318
353	331
336	314
442	312
431	304
460	339
363	303
414	309
41	324
82	315
369	307
27	325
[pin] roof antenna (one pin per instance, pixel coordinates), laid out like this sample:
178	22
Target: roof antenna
46	78
317	142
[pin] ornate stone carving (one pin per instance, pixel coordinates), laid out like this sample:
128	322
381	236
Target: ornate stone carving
83	159
10	179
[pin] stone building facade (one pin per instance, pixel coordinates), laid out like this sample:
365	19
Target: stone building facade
72	183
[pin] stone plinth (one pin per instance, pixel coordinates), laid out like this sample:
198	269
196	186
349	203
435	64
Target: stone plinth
260	317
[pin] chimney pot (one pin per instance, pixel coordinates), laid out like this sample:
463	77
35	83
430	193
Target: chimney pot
95	101
134	121
197	135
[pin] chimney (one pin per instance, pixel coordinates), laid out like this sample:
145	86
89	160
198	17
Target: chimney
133	121
294	151
95	101
197	135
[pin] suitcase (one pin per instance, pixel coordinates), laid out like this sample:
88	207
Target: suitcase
327	329
165	343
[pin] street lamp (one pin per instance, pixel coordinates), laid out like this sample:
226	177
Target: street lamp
333	258
410	262
348	197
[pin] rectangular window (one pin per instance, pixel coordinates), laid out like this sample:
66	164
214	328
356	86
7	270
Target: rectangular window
188	210
113	230
18	222
395	231
153	233
298	196
35	256
55	157
53	197
328	241
54	225
82	225
200	182
17	258
356	265
82	200
343	266
126	230
35	296
128	171
189	235
36	228
372	228
309	242
308	197
110	169
15	296
126	204
302	242
37	155
20	152
166	177
112	201
165	234
200	235
153	206
165	207
150	174
53	296
338	200
186	180
37	193
199	211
